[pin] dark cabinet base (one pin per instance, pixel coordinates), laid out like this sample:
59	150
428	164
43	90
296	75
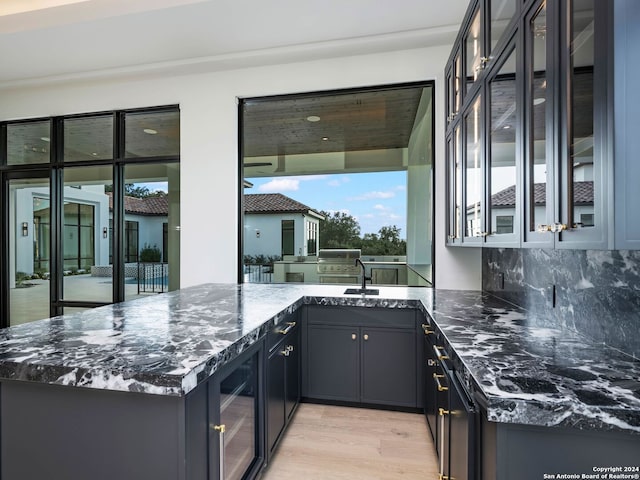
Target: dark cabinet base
67	433
529	452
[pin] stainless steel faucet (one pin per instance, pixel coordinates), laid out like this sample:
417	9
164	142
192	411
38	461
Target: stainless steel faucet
364	276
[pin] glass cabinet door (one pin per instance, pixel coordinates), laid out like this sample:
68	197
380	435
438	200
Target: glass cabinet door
454	183
582	171
235	428
501	12
473	173
473	51
538	173
503	202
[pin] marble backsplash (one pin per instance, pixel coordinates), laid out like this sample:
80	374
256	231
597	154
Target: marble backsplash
593	292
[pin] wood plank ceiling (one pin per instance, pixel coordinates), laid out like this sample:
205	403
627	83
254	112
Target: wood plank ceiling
357	121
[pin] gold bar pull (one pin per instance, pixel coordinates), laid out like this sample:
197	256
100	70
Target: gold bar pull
439	354
287	329
427	330
437	378
221	429
443	412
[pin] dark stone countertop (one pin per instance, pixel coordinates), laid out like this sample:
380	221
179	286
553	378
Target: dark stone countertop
169	343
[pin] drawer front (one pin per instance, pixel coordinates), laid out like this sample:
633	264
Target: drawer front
281	331
362	316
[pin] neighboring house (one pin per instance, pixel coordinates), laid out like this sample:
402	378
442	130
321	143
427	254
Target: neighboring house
88	228
503	207
276	225
85	213
146	223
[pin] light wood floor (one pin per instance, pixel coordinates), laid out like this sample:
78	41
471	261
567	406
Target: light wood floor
327	442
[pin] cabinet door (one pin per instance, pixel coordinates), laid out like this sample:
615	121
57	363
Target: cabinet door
501	15
474	59
461	463
236	446
539	132
430	407
292	372
333	362
473	174
503	159
388	374
275	395
585	153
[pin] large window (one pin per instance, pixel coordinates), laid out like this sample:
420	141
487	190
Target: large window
87	196
130	241
342	169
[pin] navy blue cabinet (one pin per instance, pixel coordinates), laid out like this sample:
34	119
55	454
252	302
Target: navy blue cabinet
236	445
283	378
361	355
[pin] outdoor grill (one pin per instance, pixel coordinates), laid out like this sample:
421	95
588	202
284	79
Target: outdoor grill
338	265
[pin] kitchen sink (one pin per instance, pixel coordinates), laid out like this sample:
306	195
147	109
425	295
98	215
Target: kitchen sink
358	291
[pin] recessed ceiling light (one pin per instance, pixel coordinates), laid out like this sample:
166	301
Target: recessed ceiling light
325	138
538	101
313	118
45	139
150	131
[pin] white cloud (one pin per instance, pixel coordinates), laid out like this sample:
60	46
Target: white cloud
401	187
284	184
380	207
309	178
373	196
338	182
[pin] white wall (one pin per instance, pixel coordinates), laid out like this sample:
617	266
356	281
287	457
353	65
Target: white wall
209	157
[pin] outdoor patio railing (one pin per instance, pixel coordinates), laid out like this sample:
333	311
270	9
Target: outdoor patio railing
152	277
258	273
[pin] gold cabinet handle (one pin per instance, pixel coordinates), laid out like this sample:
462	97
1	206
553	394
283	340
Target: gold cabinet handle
443	412
426	329
366	336
353	336
543	228
287	329
439	354
221	429
558	227
441	388
289	348
284	352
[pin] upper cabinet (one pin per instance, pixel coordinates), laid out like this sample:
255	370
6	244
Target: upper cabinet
529	145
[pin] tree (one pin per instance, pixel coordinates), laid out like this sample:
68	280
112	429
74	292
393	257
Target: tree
386	242
131	190
339	230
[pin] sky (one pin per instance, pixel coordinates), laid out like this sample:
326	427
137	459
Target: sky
375	200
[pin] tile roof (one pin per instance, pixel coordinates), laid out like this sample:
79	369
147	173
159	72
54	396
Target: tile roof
253	203
582	195
154	206
274	203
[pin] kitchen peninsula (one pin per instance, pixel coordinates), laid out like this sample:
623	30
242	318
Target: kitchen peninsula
129	390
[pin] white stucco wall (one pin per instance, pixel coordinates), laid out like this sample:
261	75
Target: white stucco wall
23	212
209	156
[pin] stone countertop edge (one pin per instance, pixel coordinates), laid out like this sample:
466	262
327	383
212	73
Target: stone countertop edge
499	357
